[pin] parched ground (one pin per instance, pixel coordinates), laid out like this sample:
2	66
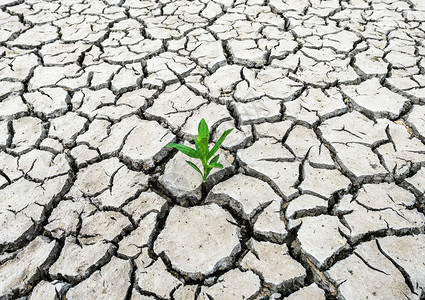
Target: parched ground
323	187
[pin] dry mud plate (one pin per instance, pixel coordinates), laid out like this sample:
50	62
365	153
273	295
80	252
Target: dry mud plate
323	188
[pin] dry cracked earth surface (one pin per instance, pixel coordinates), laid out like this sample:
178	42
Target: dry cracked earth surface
323	187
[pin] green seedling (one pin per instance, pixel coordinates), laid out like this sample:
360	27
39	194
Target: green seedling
202	151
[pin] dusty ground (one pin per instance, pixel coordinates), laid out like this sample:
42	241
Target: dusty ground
322	191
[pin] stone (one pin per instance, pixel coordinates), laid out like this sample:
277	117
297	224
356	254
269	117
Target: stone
305	205
240	192
124	185
103	226
115	279
258	111
27	132
417	180
319	239
316	181
175	105
141	236
405	252
274	264
36	36
19	273
96	178
310	292
199	240
371	96
353	275
416	117
76	262
379	208
155	279
151	150
67	127
314	105
303	141
47	290
276	166
276	130
234	284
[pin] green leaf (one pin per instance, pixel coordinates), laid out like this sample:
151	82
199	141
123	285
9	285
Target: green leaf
203	149
215	159
216	165
194	166
219	142
209	168
185	149
203	131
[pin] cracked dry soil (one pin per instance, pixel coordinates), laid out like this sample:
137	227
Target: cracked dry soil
322	191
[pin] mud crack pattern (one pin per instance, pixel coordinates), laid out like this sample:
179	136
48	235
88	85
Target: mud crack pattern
323	187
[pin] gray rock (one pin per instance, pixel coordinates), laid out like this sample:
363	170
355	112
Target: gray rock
155	278
147	202
416	117
103	226
47	290
151	150
378	208
240	192
405	252
316	181
313	104
130	245
234	284
27	132
19	273
199	240
258	111
67	127
114	278
384	103
274	264
310	292
76	262
353	275
319	239
269	159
